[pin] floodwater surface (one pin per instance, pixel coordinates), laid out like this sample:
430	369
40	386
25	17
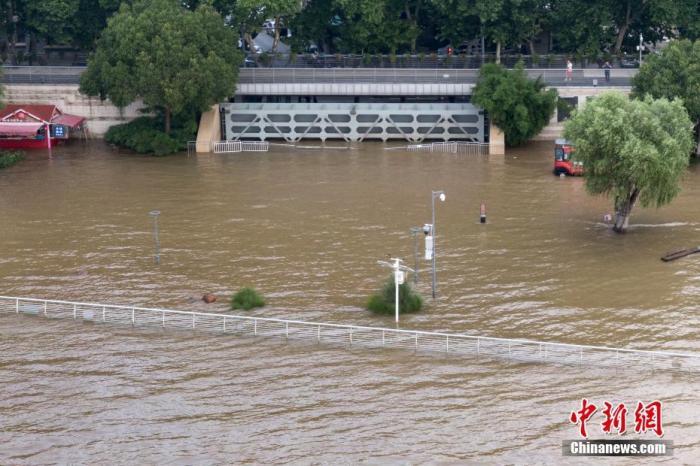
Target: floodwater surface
306	228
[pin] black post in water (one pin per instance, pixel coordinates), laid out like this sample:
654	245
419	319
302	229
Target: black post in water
482	216
155	214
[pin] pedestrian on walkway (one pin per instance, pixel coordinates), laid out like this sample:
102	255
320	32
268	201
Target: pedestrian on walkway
607	67
569	70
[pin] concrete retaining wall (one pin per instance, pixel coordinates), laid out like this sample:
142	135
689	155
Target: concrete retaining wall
100	115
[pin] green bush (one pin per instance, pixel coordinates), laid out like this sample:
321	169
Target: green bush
247	299
384	302
10	157
145	136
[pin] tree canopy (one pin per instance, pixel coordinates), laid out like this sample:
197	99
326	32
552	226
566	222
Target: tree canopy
590	27
632	150
176	60
519	106
674	73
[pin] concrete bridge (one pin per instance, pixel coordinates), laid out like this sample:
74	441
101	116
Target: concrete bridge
349	104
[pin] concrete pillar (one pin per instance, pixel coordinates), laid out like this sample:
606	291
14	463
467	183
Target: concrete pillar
497	140
209	129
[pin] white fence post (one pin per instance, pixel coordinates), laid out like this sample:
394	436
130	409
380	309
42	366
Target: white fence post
45	305
103	313
75	311
193	316
17	305
133	316
255	327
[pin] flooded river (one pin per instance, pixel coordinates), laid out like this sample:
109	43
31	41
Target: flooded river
306	228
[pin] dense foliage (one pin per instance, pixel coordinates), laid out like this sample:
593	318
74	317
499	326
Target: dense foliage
674	73
587	27
10	157
519	106
179	62
632	150
247	299
145	136
384	302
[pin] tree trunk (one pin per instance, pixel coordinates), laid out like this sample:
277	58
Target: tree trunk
623	29
697	134
249	40
167	120
532	47
276	41
498	52
623	211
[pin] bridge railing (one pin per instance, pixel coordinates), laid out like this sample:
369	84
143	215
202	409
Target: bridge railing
516	350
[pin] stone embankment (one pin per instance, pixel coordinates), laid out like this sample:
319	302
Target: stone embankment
100	115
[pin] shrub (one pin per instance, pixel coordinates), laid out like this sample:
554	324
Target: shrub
10	157
247	299
144	135
384	302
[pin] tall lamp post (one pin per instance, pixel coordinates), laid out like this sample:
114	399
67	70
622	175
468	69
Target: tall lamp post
399	271
441	196
414	233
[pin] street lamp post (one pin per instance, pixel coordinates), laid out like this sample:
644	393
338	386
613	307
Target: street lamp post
640	47
441	196
414	233
399	273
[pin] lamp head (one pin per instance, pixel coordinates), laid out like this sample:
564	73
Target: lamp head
442	197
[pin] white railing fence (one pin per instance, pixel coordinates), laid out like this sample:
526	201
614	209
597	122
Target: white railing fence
227	147
454	147
350	335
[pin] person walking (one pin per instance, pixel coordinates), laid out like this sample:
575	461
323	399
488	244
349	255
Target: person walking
607	67
569	70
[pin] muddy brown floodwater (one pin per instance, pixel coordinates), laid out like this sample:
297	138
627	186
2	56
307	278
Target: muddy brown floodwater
306	228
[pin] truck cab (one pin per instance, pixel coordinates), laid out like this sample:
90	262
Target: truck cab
563	163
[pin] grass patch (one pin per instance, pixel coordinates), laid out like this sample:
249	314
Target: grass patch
10	157
247	299
145	135
384	302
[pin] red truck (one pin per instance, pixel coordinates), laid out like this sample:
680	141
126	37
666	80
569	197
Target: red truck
563	163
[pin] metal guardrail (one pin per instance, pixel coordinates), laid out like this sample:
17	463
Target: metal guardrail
42	74
469	148
414	76
427	60
227	147
415	340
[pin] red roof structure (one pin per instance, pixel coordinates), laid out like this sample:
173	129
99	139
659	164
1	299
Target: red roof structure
25	125
21	113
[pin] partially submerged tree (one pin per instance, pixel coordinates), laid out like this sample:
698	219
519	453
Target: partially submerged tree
519	106
177	61
674	73
632	150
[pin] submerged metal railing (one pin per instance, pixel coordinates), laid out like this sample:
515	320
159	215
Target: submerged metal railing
227	147
351	335
453	147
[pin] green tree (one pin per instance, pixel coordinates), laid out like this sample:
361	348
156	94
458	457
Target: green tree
632	150
177	61
519	106
674	73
